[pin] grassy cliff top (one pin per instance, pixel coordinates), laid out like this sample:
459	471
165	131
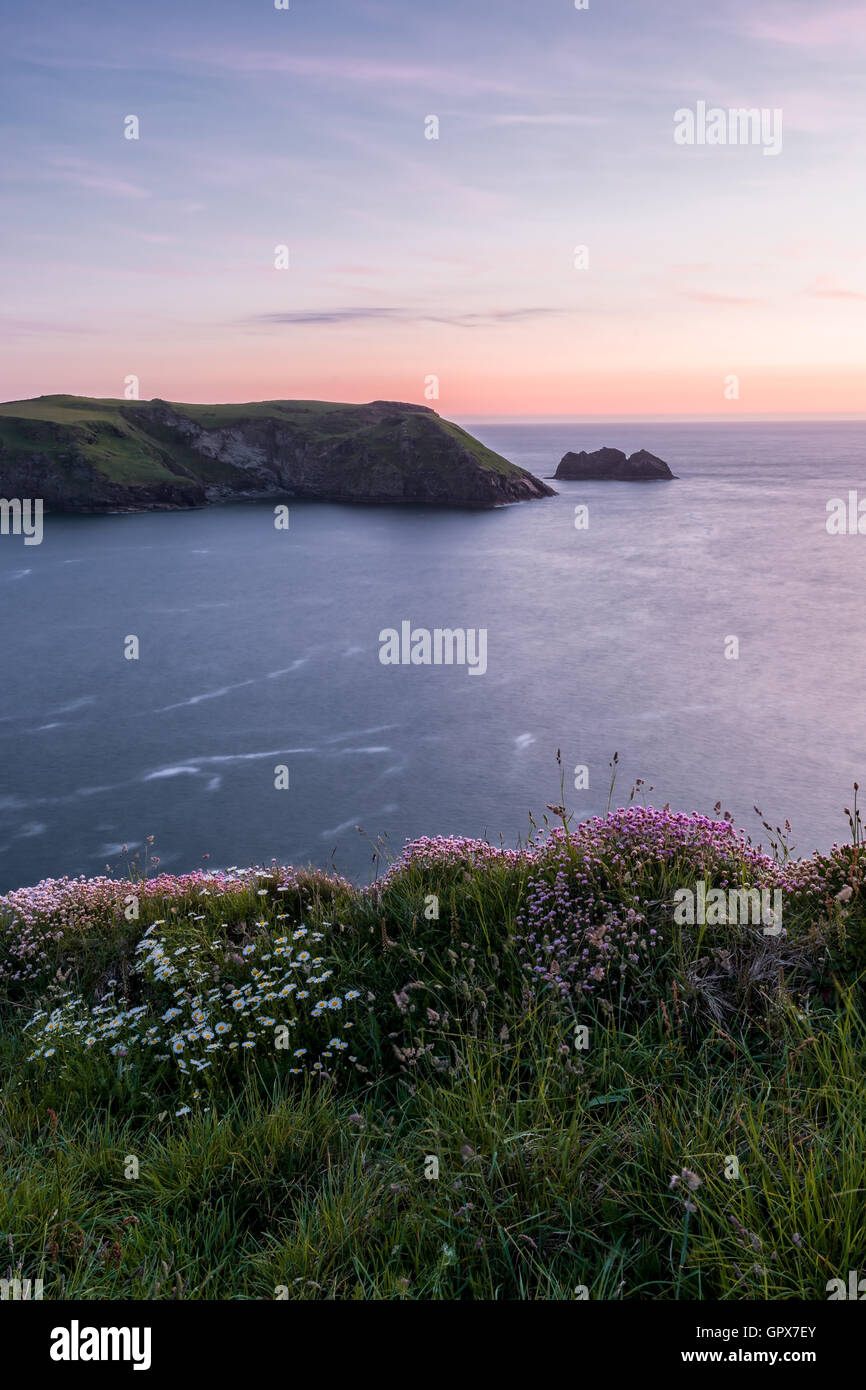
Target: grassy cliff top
123	439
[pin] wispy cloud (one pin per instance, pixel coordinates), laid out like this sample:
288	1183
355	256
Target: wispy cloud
78	171
294	317
825	288
709	297
352	70
306	316
819	25
42	327
542	119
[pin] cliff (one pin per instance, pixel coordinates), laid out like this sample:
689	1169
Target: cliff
84	455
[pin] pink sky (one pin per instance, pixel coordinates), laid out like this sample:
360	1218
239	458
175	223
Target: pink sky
453	258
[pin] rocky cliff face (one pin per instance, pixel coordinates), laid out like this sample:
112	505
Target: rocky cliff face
612	464
81	455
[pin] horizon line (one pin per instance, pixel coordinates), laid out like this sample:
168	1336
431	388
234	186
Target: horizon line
798	417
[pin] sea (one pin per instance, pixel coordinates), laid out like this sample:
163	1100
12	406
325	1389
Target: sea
215	680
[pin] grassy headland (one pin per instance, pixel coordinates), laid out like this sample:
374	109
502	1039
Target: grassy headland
83	454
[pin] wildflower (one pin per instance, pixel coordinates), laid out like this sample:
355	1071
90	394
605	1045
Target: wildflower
691	1180
184	1110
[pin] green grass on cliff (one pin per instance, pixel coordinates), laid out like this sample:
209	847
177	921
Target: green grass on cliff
119	440
66	428
472	1149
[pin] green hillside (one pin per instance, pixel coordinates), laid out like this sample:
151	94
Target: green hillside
171	453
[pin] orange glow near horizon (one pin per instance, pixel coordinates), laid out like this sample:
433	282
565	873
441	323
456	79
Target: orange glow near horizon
762	391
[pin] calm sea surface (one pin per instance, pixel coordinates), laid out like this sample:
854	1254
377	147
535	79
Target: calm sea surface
260	648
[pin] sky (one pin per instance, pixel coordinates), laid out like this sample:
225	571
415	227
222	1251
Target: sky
717	279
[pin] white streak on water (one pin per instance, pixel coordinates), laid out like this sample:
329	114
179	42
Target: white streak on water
356	820
238	685
377	748
28	832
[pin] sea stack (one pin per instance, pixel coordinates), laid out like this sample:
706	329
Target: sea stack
612	465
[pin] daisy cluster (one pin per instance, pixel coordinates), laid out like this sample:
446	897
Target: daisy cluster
33	920
280	990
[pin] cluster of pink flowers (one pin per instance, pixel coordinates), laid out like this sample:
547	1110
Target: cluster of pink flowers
452	851
583	924
635	834
579	916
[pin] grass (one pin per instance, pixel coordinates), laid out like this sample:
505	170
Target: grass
704	1138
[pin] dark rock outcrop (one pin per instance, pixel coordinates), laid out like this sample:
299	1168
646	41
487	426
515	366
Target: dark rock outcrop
612	465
